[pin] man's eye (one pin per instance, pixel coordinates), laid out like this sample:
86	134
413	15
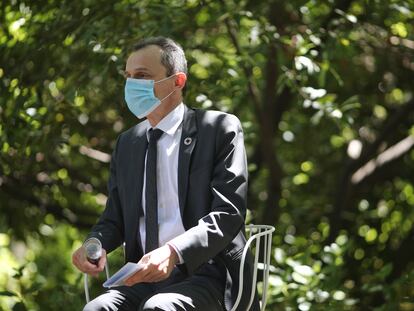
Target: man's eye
141	76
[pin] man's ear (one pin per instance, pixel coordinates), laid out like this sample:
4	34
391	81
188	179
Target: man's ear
180	80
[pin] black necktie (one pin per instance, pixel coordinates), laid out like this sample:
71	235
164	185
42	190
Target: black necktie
151	203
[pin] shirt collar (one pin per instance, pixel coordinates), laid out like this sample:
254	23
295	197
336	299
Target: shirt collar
171	122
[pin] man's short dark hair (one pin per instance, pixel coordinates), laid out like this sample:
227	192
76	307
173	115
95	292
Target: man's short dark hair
172	54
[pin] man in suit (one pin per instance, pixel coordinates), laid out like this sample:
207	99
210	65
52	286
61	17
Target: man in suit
177	195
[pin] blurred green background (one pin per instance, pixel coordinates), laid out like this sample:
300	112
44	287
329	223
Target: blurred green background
324	90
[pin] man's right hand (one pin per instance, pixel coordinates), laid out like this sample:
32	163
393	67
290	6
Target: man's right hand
81	262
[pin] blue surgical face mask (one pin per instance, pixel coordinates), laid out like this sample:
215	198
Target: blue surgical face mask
140	98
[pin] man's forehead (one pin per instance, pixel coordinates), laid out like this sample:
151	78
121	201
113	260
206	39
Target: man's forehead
148	57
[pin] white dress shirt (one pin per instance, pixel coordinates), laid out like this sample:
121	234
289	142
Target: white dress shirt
170	223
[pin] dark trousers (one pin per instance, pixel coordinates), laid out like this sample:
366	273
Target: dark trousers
202	291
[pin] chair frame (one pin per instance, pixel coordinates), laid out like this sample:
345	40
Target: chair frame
86	284
255	234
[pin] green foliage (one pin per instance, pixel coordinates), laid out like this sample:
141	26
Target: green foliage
324	93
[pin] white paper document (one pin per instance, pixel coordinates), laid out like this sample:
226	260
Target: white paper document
122	274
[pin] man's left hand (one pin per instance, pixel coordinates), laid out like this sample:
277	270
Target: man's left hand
158	266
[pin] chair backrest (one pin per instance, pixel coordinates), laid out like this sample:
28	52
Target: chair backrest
258	237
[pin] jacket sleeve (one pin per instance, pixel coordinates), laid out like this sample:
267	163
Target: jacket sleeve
110	229
216	230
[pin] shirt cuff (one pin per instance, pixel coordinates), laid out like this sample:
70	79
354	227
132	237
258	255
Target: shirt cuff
180	257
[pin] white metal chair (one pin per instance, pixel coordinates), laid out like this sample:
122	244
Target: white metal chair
259	236
85	276
85	282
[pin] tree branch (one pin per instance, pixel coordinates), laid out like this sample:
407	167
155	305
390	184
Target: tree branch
345	186
342	6
370	150
394	152
251	85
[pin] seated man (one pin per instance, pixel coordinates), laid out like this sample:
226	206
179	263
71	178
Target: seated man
177	195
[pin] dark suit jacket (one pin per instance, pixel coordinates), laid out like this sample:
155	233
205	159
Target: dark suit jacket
212	185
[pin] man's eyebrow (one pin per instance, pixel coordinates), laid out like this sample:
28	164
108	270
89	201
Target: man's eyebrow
135	70
141	69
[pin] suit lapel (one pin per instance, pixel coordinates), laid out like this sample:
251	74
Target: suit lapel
139	148
187	144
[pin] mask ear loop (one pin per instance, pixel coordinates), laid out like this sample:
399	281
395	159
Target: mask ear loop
164	80
167	96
